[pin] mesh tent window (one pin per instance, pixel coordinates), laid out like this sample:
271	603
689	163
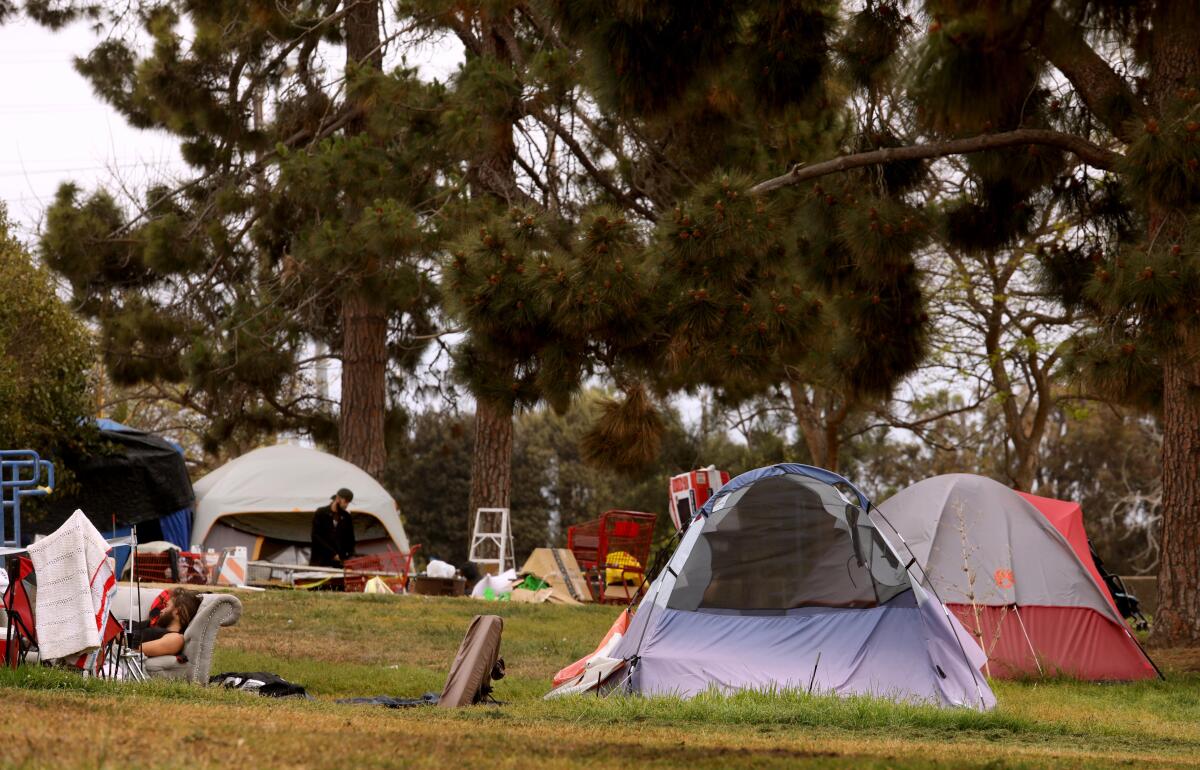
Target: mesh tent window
785	542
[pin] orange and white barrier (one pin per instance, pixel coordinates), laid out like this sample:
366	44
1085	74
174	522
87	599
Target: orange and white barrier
232	563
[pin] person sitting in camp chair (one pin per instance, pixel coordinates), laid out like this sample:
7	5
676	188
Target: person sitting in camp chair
163	634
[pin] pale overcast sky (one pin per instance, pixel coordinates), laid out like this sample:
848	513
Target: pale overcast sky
53	129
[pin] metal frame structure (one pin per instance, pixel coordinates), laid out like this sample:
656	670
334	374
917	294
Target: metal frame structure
21	475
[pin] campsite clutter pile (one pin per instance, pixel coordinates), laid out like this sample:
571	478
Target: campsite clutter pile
63	607
79	618
548	575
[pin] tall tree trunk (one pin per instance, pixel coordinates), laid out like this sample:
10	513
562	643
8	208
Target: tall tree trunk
1027	465
491	460
361	431
491	175
1178	618
364	383
820	428
1175	64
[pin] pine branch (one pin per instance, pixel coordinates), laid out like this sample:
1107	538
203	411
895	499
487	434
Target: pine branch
462	29
533	177
271	67
344	117
595	173
1106	94
1092	154
886	419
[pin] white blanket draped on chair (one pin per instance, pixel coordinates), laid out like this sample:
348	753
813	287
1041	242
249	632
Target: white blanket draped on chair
75	585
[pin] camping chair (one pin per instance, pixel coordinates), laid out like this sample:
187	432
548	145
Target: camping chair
476	664
21	637
21	633
112	643
614	550
217	610
112	646
396	564
1127	604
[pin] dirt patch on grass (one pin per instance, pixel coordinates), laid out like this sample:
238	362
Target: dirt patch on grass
1177	659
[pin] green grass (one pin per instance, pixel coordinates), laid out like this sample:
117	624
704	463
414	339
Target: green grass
352	645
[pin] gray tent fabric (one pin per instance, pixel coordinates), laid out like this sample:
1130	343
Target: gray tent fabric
273	491
787	584
981	543
1011	576
294	526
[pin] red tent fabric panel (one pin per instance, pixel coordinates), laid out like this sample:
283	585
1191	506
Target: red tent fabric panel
1067	518
1077	641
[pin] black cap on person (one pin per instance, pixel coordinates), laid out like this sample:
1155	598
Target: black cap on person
345	494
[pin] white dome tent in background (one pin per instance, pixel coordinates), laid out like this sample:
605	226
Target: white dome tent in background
265	500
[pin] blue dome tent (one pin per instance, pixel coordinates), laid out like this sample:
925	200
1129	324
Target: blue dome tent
785	581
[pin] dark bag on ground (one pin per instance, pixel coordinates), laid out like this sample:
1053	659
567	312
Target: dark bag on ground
270	685
387	701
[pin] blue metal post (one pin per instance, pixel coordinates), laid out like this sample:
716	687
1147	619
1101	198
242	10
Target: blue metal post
23	473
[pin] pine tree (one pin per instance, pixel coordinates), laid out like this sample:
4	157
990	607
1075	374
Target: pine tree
522	273
813	293
680	90
987	83
303	223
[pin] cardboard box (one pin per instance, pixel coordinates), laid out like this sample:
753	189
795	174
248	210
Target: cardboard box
557	566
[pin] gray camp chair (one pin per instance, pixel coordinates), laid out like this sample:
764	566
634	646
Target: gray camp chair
199	639
475	665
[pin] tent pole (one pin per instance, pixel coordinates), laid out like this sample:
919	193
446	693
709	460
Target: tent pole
133	574
1028	641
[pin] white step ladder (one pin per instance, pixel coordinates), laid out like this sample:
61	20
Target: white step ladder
492	541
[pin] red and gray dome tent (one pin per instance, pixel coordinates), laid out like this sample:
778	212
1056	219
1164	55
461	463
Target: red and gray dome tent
1014	580
783	581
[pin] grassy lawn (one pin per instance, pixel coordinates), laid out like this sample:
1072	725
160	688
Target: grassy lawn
352	645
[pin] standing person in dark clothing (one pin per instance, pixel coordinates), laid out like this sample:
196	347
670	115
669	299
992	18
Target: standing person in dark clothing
333	532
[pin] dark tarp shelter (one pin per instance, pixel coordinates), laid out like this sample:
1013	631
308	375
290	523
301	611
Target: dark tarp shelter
135	478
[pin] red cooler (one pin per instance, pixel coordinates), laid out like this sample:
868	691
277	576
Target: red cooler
690	491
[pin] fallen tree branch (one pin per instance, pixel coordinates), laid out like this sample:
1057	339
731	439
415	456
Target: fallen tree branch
1092	154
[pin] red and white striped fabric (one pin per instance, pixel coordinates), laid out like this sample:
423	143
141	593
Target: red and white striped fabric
607	645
